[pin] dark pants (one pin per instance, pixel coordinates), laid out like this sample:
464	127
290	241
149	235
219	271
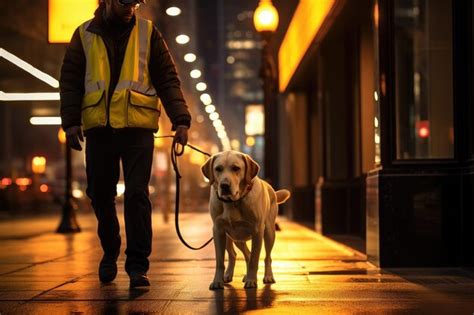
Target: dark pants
104	150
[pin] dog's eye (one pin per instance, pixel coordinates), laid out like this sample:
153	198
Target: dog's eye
219	169
235	168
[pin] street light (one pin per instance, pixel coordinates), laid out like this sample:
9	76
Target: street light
266	22
68	219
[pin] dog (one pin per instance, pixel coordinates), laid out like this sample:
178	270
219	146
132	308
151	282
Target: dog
243	207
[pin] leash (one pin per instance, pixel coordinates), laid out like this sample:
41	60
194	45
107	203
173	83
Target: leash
176	151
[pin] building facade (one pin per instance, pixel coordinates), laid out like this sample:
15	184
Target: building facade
376	117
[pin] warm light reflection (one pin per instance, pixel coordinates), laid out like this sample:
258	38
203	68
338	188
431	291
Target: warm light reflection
235	144
38	164
200	119
197	158
23	181
304	26
77	193
44	188
120	189
250	141
61	136
6	181
376	14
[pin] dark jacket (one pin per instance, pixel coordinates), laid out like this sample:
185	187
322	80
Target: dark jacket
115	36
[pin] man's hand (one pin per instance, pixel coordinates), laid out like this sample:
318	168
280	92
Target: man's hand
181	135
73	135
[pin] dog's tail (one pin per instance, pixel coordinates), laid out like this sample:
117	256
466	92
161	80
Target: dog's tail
282	195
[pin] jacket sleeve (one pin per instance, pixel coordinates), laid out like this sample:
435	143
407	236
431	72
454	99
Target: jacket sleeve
166	81
71	82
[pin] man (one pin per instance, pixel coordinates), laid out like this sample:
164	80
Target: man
115	71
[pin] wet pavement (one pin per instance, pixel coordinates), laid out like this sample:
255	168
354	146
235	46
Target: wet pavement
42	272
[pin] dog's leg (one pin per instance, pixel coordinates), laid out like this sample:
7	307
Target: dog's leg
229	272
269	239
219	246
257	240
245	250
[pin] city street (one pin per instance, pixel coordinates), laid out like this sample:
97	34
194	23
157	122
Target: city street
42	272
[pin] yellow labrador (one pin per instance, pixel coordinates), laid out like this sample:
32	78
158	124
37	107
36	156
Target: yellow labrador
242	207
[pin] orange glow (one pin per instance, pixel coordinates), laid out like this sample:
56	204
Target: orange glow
23	181
61	136
44	188
424	132
265	17
65	16
38	164
6	181
423	128
305	25
376	15
250	141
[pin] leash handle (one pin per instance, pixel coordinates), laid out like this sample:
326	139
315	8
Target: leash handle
178	148
174	159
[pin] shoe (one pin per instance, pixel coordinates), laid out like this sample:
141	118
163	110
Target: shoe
138	279
107	269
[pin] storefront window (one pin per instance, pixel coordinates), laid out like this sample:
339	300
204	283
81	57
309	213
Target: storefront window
423	79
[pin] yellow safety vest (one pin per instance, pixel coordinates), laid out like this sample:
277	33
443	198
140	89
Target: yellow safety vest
134	102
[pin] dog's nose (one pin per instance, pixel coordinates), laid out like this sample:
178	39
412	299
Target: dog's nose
225	188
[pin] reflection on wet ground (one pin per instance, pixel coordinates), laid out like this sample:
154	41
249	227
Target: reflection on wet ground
48	273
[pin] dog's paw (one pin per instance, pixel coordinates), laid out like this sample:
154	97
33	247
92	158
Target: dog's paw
268	279
216	285
228	278
250	284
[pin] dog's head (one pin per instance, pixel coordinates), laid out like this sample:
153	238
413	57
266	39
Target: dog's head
231	173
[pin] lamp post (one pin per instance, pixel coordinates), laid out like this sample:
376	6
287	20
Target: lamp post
68	220
266	22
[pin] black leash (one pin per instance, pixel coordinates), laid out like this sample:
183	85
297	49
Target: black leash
175	153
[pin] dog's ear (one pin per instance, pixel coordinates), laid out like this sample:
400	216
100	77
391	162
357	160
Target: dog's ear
207	171
251	168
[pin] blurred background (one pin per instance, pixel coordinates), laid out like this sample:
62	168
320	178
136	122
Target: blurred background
217	52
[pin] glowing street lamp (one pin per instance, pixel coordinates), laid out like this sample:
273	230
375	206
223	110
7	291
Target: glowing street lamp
265	17
266	22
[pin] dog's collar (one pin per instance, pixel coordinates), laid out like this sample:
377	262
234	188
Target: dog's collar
248	189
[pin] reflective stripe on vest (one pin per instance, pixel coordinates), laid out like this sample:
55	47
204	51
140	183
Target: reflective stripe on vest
134	102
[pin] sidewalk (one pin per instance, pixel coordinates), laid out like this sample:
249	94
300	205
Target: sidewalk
46	273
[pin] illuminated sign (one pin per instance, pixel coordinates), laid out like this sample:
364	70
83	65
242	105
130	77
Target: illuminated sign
254	120
64	16
305	25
